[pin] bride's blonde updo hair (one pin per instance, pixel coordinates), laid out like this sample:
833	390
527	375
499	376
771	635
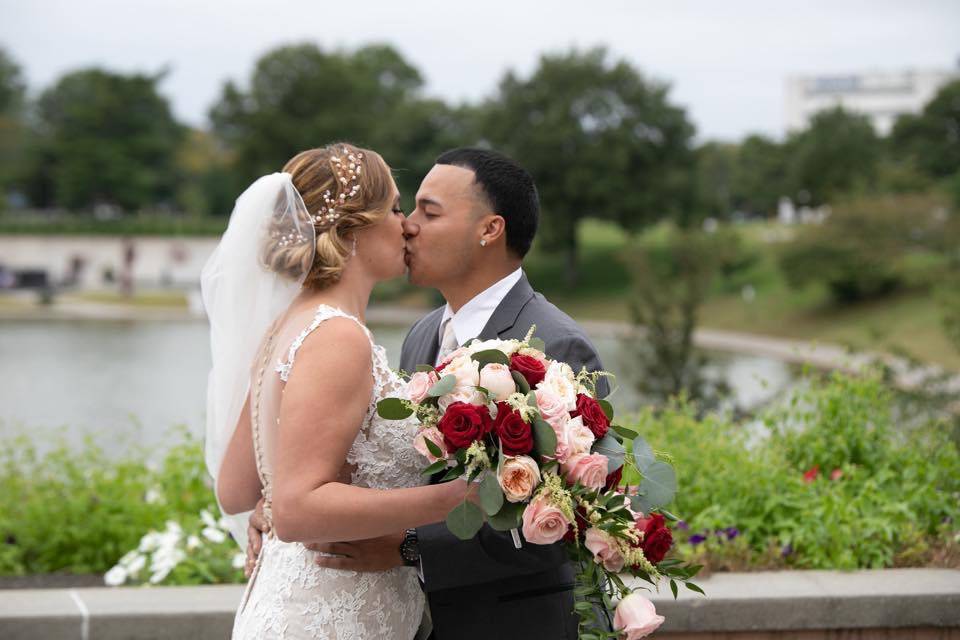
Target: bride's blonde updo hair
345	189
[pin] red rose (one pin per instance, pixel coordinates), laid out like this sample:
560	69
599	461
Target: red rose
516	436
463	423
657	544
657	538
592	414
529	367
613	479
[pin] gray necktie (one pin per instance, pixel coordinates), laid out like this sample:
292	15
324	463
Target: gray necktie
448	344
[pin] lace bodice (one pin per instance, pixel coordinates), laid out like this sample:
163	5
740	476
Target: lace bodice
289	596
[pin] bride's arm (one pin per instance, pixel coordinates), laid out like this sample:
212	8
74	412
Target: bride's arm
324	403
238	484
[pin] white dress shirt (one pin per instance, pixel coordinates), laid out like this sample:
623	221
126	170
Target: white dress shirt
472	317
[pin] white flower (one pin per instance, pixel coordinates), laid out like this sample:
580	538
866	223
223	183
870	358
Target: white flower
470	395
135	565
193	542
207	518
149	542
153	496
560	381
239	560
115	577
509	347
214	535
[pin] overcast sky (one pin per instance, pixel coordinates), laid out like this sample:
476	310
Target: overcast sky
726	61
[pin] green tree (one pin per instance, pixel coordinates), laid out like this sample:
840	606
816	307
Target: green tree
601	141
12	90
836	153
103	137
932	138
300	96
714	176
762	176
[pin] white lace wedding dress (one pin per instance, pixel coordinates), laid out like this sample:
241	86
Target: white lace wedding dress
288	595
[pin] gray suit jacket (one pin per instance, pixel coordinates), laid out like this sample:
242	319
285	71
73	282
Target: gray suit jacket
485	587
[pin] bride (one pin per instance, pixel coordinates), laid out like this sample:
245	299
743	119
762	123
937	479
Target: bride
292	397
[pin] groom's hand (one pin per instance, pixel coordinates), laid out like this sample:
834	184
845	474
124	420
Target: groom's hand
256	527
374	554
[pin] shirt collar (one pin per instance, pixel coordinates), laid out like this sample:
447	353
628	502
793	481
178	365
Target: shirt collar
472	317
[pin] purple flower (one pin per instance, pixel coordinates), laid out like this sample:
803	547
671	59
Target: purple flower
786	550
682	525
732	532
696	539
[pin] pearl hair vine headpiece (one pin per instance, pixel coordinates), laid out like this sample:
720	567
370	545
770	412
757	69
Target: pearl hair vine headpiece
348	175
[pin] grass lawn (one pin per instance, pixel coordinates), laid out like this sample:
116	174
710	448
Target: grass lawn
909	321
139	299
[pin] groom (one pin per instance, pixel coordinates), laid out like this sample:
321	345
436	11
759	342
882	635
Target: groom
475	219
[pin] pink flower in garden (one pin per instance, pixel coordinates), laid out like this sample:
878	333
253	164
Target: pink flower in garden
811	474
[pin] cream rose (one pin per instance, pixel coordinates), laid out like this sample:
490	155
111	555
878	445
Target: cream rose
560	381
590	470
497	379
577	436
543	523
469	395
433	435
636	617
465	369
604	549
518	477
420	383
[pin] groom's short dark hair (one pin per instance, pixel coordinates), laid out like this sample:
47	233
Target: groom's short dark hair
508	187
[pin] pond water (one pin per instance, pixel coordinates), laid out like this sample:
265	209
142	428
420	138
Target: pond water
141	378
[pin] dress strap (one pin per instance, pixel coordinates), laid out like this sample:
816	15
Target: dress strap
324	312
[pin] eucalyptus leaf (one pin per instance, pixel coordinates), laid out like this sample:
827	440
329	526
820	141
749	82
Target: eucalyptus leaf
607	408
544	437
694	587
643	454
443	387
465	520
522	385
629	434
538	344
393	409
509	517
490	356
614	451
491	495
424	368
659	485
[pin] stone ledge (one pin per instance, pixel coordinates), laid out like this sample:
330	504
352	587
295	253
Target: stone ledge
894	603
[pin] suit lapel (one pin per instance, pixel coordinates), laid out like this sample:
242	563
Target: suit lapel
430	345
505	315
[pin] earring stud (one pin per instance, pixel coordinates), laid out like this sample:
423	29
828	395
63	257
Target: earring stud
483	243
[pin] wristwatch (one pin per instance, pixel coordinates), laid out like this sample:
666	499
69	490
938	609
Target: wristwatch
410	549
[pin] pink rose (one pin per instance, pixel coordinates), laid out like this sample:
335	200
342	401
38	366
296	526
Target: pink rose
497	379
552	408
518	477
636	617
433	435
543	523
420	383
590	470
604	549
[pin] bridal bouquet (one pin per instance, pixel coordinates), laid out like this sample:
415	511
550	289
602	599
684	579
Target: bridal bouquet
549	462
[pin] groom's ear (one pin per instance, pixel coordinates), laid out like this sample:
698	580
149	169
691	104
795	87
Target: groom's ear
494	227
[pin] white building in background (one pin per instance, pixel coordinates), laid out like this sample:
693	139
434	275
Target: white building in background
881	96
